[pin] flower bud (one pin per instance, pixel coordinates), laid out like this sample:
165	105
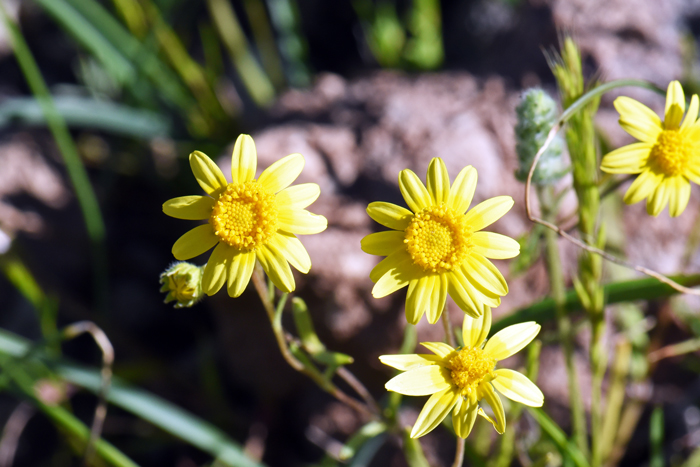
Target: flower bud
537	114
183	283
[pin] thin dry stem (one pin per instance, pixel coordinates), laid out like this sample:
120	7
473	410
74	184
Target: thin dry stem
358	387
459	455
12	432
580	243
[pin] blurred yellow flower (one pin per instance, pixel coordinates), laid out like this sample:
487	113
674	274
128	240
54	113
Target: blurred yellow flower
438	248
248	219
459	379
667	156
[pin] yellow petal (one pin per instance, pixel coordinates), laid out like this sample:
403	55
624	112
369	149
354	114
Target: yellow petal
464	416
518	387
300	221
462	190
438	348
240	269
693	172
456	287
659	198
393	280
629	159
638	120
482	271
486	392
510	340
276	267
434	411
418	298
282	173
421	381
208	174
293	250
193	208
413	191
298	196
397	260
482	296
675	105
195	242
642	186
383	243
216	269
390	215
244	160
679	197
692	115
494	246
438	297
475	330
488	212
407	362
438	181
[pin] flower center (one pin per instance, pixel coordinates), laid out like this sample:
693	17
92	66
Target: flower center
671	153
470	367
245	215
438	239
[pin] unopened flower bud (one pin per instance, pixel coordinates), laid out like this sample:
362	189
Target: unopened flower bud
183	283
537	114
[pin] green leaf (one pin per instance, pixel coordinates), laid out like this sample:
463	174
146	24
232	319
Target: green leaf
305	327
413	451
557	435
359	439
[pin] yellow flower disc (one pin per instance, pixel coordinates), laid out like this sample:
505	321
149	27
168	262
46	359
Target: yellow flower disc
471	366
672	152
438	239
245	215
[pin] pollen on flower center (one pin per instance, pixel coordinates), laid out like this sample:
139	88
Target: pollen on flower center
672	152
470	367
245	215
438	239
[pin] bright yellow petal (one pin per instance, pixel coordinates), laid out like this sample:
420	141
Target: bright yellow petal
691	115
215	271
486	392
629	159
488	212
462	190
464	416
397	260
679	196
208	174
413	191
239	272
276	267
642	186
438	181
482	271
195	242
300	221
421	381
293	251
418	298
518	387
390	215
494	246
638	120
282	173
659	198
693	172
675	105
407	362
459	293
383	243
510	340
439	348
434	411
244	160
482	296
194	208
438	297
298	196
475	330
396	278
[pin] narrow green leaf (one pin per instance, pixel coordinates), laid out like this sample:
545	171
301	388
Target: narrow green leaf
305	327
362	436
557	435
656	437
413	451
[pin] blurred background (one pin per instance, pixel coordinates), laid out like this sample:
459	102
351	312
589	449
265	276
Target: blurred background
363	89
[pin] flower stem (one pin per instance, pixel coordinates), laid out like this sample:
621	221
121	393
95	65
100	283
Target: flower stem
459	455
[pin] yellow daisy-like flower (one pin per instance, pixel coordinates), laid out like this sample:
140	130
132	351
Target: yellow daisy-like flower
667	156
248	219
438	247
459	379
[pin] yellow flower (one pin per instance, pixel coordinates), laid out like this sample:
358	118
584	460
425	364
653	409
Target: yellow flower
438	248
247	219
667	156
459	379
